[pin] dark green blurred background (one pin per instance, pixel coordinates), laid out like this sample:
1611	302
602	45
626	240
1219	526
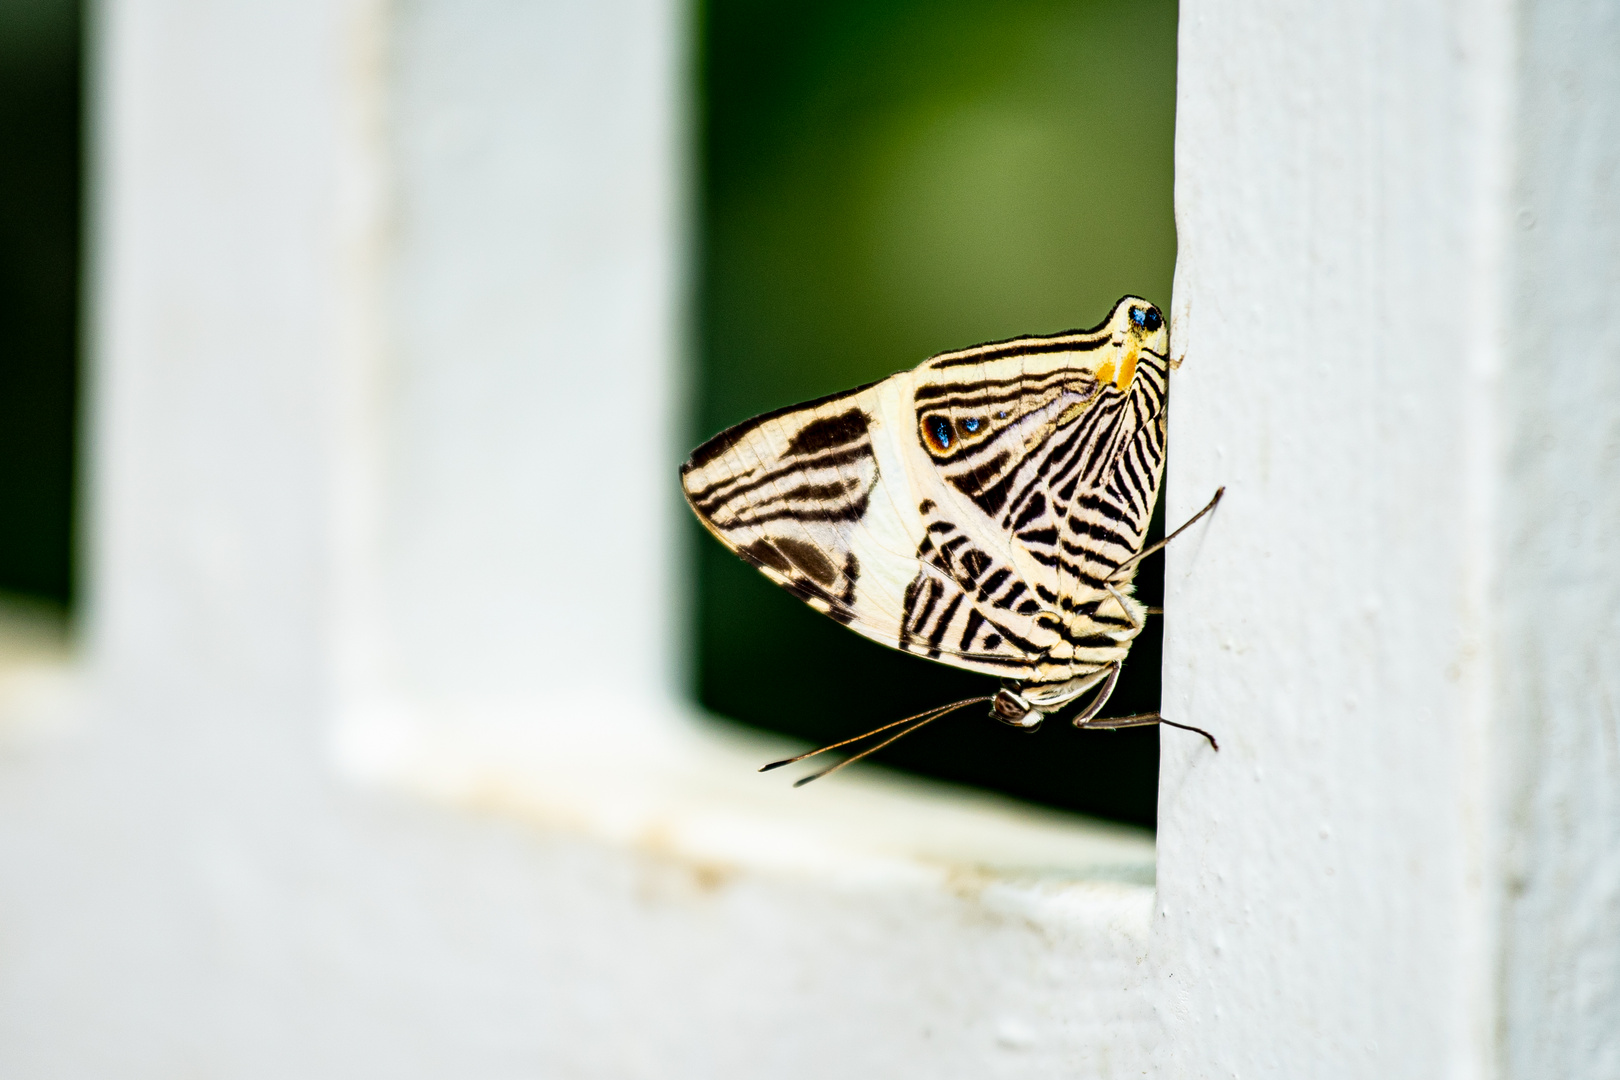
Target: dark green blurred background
883	180
39	280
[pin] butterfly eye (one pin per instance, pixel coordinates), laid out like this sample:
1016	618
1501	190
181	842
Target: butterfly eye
1146	318
937	430
970	426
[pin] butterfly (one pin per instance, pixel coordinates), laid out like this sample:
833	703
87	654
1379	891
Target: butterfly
987	509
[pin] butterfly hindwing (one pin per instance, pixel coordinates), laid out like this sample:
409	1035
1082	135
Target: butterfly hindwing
783	490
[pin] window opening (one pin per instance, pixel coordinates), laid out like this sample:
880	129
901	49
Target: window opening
886	180
40	203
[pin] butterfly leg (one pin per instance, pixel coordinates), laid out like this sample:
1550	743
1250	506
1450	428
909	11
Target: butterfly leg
1114	723
1126	566
1088	716
1136	624
1095	705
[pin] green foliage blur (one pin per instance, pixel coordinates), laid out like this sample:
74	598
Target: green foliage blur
882	180
39	293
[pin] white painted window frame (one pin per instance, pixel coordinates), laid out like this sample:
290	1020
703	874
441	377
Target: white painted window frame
348	254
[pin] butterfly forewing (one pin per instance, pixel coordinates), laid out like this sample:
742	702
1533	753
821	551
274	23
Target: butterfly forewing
971	510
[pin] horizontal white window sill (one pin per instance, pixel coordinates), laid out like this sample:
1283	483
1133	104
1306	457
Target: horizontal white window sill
691	791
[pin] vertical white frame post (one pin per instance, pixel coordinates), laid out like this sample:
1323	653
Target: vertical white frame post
1397	303
504	501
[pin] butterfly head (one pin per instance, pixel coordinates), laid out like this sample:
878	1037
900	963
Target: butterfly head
1012	708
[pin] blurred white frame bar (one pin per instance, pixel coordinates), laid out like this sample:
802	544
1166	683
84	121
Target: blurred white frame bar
504	516
1397	299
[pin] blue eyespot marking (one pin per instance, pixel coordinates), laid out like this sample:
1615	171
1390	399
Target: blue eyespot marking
939	431
971	424
1146	318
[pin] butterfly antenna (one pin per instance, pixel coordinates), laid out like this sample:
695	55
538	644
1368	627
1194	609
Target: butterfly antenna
916	721
1185	525
803	780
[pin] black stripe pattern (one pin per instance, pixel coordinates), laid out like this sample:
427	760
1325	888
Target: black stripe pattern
783	509
1022	477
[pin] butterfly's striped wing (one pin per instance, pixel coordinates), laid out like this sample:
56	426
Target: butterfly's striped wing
1063	469
928	511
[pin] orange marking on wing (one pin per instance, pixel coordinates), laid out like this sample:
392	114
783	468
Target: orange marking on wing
1127	370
